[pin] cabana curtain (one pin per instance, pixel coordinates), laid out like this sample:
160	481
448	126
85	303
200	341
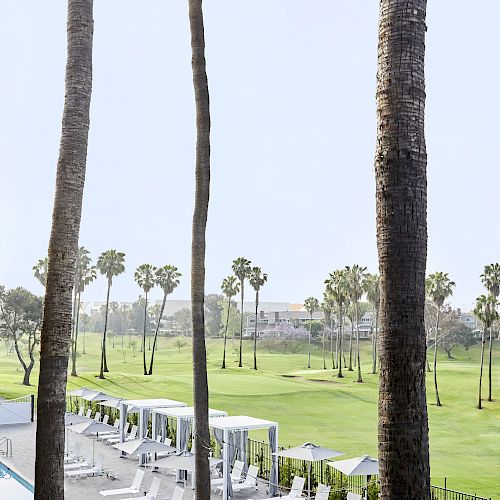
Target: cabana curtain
273	476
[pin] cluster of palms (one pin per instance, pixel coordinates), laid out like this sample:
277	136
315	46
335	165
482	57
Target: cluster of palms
111	264
243	270
344	289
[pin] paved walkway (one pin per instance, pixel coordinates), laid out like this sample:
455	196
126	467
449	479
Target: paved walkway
23	462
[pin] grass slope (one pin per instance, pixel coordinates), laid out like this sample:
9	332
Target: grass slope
310	405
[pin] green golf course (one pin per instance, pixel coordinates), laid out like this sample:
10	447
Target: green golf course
310	405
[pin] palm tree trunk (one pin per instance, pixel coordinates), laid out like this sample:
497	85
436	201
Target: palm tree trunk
144	334
479	403
401	187
438	401
255	332
75	339
358	355
350	346
324	349
63	246
309	344
339	338
336	345
489	366
241	326
104	365
73	325
156	333
374	339
200	383
225	334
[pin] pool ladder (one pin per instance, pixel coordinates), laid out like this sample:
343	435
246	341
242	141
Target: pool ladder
7	452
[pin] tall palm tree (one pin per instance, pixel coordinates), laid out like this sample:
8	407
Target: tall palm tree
356	276
85	274
401	195
168	279
241	269
372	290
326	307
40	271
257	279
311	305
110	264
438	288
336	288
486	311
230	288
145	277
63	247
491	280
200	382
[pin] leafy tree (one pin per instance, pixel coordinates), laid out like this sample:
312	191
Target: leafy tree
455	333
257	280
145	277
168	279
20	320
202	176
401	205
110	264
311	305
230	287
213	314
180	344
85	273
184	319
438	288
241	269
491	281
40	271
486	311
337	290
63	245
372	290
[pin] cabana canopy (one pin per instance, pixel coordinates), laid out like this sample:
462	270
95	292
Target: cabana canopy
228	430
111	403
89	394
186	412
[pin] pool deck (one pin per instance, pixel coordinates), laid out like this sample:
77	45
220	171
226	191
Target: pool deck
23	463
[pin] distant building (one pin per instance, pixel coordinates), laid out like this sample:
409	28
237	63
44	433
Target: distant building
469	319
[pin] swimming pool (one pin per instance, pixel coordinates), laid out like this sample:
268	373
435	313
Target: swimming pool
12	486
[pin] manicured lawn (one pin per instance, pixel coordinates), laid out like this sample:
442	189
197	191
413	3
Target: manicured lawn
310	405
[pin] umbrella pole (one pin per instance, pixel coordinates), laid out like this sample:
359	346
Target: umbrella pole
93	451
309	482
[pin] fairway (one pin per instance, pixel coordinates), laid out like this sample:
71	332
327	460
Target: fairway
310	405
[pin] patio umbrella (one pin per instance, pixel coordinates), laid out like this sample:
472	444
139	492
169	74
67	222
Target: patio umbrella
184	460
360	466
143	446
310	453
91	427
96	396
72	419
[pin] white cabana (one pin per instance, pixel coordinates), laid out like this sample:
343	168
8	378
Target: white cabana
143	407
359	466
143	445
228	430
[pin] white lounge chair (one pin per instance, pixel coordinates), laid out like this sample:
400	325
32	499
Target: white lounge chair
134	488
152	492
250	482
353	496
110	434
89	412
73	456
105	419
322	492
80	411
76	466
236	474
130	437
296	489
97	416
91	471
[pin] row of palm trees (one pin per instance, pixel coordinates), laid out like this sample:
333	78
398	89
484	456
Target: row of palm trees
111	264
231	286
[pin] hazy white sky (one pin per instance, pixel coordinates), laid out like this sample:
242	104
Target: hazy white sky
292	88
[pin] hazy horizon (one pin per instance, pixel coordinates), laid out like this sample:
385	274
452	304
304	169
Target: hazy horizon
292	88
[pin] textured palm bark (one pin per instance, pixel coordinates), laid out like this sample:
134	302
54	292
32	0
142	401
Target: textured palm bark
340	336
104	365
401	184
144	334
75	337
158	323
490	397
438	401
255	331
63	246
200	383
240	364
223	367
308	343
479	403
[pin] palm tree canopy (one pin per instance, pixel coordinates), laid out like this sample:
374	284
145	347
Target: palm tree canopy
40	270
145	277
111	263
439	287
167	278
486	309
355	276
491	278
257	278
311	304
241	268
337	287
372	289
230	286
85	273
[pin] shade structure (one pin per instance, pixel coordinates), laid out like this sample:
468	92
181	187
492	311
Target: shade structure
98	396
183	460
83	391
72	419
91	427
111	403
310	453
360	466
144	445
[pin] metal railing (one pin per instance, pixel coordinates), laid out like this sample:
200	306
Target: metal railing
8	447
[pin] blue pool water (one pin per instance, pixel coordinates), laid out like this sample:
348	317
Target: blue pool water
13	487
